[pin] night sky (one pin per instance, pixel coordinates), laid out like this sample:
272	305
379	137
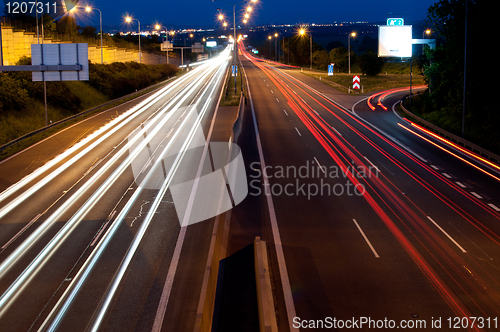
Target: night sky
203	12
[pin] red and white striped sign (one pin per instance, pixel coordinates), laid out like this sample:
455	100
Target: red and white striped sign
356	82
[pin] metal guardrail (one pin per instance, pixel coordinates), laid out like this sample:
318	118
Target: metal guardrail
454	138
94	109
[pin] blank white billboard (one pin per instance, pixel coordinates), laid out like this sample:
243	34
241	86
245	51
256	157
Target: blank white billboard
211	43
60	54
395	41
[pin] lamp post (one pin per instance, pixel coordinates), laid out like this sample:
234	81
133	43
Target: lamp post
276	47
425	32
302	32
234	35
88	9
270	52
129	19
158	27
352	34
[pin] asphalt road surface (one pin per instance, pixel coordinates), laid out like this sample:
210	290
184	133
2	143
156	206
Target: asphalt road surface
374	222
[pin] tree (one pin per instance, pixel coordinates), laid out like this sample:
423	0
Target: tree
370	63
321	60
444	68
89	31
339	56
67	25
48	23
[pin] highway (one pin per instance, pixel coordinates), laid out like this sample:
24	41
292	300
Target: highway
90	238
369	219
368	215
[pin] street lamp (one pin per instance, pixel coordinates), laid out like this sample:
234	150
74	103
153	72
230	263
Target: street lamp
158	27
234	34
302	32
88	9
129	19
276	47
352	34
270	52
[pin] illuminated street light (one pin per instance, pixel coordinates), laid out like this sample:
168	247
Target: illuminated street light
302	32
158	27
276	47
352	34
270	52
129	19
88	9
234	33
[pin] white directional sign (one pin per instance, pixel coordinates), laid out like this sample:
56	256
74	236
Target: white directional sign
167	46
356	82
395	41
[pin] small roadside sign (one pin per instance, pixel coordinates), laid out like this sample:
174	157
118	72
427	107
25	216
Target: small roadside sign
356	82
330	69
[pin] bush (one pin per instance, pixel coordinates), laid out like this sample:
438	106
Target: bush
21	99
13	95
119	79
370	64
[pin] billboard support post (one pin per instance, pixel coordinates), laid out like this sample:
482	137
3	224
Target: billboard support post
396	41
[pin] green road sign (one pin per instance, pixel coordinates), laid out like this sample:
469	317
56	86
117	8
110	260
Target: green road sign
395	21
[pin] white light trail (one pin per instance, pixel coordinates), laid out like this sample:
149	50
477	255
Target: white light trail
78	216
108	129
84	272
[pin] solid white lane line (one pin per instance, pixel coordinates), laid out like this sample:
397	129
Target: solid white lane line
298	132
494	207
476	195
366	239
447	235
285	281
